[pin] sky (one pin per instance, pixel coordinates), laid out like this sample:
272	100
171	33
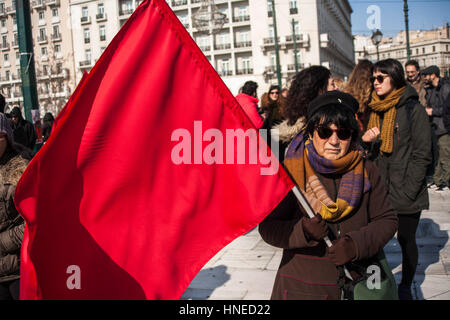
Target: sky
423	15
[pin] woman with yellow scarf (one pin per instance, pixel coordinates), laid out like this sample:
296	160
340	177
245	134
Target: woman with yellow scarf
347	194
402	152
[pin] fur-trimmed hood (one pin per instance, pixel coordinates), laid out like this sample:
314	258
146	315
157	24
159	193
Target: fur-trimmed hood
288	132
11	171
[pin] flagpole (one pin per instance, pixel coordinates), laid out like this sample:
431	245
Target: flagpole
301	198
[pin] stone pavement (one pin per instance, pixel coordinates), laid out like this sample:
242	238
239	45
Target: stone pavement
246	268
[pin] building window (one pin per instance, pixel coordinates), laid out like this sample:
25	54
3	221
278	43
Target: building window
57	48
84	12
87	54
101	9
41	15
87	35
434	48
56	33
3	23
6	57
44	51
55	12
102	32
293	9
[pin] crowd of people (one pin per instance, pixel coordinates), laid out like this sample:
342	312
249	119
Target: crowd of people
363	152
18	140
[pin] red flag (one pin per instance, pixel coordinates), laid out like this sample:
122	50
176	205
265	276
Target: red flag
134	191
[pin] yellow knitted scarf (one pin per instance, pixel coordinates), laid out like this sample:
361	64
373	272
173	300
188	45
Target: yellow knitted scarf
385	106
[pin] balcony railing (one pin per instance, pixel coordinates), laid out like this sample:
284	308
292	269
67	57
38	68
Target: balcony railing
38	4
298	37
225	73
222	46
85	20
243	44
100	17
56	37
244	71
124	12
42	39
85	63
270	69
53	2
205	48
11	10
271	40
4	46
178	3
241	18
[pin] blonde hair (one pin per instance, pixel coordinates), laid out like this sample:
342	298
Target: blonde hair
359	84
340	84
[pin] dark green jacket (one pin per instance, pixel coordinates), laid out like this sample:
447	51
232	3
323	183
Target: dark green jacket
404	171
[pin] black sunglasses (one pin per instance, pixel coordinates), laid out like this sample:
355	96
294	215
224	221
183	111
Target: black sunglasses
379	78
275	92
326	132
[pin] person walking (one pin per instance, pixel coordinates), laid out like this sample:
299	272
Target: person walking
47	125
12	166
272	104
345	191
437	95
248	100
415	79
23	130
402	154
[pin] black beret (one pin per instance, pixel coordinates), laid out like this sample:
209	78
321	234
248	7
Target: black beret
333	98
431	70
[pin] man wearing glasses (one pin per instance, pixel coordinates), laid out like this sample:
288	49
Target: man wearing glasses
414	78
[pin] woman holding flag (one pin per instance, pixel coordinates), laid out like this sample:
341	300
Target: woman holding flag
345	191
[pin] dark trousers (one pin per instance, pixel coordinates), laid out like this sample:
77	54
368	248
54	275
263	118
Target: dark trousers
10	290
434	153
406	235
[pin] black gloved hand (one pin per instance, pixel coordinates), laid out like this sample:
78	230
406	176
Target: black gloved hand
315	228
342	251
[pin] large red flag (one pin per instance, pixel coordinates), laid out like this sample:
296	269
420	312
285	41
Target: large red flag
135	190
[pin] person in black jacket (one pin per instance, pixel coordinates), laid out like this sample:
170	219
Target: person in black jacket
402	152
437	94
23	130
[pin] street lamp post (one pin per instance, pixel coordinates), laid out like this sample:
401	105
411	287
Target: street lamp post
405	10
377	36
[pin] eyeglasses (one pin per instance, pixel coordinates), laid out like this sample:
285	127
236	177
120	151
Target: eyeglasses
379	78
275	92
326	132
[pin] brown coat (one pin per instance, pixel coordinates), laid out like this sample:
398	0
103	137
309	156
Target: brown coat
11	223
305	271
419	85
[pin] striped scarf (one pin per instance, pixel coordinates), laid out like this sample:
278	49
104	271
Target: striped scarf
302	162
385	107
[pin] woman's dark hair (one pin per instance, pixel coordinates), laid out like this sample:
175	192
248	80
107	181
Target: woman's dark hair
274	86
394	69
333	114
307	85
250	88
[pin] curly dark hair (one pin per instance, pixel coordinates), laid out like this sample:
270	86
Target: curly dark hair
306	86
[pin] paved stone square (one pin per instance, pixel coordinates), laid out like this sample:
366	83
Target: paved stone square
246	268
